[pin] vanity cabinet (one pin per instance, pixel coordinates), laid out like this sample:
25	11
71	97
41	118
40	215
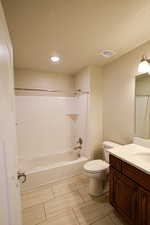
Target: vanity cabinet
129	196
144	208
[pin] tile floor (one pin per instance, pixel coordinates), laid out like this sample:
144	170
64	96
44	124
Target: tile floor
67	202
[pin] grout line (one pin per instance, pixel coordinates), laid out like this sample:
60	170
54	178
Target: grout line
23	209
99	219
44	211
81	196
53	192
76	216
43	220
112	220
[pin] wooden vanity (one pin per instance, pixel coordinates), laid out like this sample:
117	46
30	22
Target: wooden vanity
130	192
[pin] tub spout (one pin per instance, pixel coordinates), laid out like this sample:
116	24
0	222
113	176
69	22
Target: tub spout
77	147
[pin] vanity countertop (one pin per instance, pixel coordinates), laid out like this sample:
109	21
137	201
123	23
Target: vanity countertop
134	155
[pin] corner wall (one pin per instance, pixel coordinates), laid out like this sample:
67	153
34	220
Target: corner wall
90	79
96	111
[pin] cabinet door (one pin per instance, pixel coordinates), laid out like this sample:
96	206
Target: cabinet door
144	207
123	195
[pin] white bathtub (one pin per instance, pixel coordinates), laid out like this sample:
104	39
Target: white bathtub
51	168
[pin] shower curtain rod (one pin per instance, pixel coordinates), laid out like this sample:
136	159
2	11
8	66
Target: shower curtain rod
143	95
53	91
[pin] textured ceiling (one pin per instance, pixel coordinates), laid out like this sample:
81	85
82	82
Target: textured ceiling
74	29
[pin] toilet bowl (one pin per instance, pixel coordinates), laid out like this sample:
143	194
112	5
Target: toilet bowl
97	171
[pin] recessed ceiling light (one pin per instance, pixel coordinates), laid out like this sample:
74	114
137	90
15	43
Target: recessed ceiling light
55	59
107	53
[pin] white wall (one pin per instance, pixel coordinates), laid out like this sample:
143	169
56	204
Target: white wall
81	121
43	126
10	210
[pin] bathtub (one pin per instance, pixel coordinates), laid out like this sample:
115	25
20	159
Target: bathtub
44	170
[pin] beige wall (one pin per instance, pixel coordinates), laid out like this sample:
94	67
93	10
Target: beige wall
119	92
96	111
82	79
43	80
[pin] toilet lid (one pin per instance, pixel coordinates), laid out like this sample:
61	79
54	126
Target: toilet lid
96	165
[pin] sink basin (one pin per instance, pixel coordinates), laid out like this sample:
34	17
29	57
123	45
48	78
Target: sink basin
145	157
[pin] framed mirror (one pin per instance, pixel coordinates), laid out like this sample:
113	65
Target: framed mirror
142	106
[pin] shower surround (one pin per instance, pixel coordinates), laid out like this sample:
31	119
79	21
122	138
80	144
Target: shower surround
48	128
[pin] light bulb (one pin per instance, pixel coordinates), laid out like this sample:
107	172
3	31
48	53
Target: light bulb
144	67
55	59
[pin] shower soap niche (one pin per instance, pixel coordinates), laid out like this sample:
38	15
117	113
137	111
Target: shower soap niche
72	115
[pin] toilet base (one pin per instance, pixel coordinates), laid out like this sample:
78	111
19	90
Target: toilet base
96	187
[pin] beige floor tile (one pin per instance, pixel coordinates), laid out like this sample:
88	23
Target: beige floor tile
67	203
61	188
38	195
62	217
67	185
91	211
63	201
36	189
84	192
105	221
84	178
116	218
34	215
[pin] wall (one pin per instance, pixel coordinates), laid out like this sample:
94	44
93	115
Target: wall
43	125
82	82
42	80
10	210
119	94
96	111
90	79
82	79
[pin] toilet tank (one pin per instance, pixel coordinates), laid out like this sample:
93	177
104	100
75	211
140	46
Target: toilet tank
107	145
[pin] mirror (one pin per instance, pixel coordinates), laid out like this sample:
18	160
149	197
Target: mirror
142	106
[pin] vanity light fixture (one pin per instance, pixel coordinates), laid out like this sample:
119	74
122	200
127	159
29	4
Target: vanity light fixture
144	65
55	59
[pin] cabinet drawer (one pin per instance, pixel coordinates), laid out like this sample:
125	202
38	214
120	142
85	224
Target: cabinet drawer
115	162
137	175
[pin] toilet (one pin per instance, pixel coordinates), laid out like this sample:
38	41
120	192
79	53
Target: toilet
97	171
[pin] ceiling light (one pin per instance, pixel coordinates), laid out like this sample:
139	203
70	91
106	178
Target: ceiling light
144	66
55	59
107	53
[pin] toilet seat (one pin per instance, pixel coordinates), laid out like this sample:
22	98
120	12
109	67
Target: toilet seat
96	166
